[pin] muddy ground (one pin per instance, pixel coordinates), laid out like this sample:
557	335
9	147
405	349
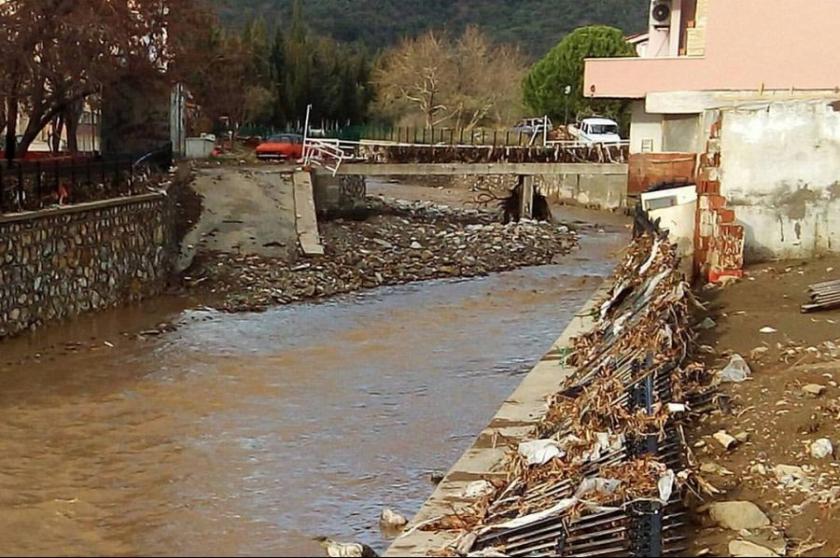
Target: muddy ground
773	413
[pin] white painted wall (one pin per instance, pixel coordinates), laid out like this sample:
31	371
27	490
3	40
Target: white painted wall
677	210
644	126
780	171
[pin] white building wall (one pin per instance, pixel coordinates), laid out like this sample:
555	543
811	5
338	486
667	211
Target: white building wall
780	172
645	130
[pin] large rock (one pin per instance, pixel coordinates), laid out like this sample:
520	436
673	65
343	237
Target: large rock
749	550
738	515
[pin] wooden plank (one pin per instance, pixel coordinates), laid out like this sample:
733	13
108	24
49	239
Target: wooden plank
306	220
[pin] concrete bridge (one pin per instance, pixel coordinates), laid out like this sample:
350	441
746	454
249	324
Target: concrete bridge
589	175
595	185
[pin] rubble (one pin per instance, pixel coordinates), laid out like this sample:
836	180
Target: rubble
822	448
400	242
389	519
788	407
747	549
737	515
725	440
814	390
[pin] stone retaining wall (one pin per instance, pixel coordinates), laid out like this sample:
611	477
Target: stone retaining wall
59	263
335	195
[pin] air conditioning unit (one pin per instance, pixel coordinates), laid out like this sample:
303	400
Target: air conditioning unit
660	13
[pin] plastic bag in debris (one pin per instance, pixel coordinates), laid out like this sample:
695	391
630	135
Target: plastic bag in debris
653	253
478	489
540	452
488	553
597	485
666	486
651	287
604	443
617	293
618	325
557	509
736	371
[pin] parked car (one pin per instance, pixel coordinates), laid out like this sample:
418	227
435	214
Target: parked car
592	131
281	146
532	126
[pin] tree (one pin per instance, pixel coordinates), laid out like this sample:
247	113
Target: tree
419	74
488	87
332	77
63	51
259	102
543	88
465	82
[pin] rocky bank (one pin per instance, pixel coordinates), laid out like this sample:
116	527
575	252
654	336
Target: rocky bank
390	243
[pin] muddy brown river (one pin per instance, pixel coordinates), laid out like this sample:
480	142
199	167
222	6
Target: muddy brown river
251	434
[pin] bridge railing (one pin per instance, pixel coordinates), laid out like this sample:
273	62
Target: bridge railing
330	154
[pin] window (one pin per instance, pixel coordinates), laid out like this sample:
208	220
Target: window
604	129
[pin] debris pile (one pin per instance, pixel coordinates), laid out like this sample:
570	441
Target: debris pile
400	242
824	296
493	154
604	469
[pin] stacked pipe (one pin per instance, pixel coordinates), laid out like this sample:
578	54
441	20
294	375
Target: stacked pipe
632	388
824	296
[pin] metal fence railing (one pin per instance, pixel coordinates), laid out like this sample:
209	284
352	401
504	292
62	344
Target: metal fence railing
33	185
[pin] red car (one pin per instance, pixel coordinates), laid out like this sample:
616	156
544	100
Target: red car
281	146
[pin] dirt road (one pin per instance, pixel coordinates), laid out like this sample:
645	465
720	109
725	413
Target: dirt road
773	411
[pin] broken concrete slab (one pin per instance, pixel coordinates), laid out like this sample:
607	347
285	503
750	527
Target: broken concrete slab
738	515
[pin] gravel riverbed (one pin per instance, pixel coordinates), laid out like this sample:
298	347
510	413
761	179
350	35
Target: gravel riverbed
397	242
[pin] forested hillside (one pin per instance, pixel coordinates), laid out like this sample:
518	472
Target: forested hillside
535	25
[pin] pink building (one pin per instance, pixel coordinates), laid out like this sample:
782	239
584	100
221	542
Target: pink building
750	89
704	54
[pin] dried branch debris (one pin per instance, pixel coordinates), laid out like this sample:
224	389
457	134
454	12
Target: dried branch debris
606	464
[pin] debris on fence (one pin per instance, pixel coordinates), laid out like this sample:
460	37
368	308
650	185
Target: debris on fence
420	154
824	296
604	469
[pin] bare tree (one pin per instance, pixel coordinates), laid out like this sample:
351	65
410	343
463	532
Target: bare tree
489	80
465	82
419	74
63	51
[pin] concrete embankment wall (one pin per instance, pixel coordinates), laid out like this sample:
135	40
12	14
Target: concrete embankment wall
59	263
516	420
606	191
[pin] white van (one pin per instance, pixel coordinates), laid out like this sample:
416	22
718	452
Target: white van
592	131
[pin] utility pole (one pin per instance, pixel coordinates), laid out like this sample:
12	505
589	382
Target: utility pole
567	91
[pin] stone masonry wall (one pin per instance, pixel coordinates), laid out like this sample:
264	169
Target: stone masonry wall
60	263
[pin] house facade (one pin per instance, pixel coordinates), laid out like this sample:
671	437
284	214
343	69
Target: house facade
746	88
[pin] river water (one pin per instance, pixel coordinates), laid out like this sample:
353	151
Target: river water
251	434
